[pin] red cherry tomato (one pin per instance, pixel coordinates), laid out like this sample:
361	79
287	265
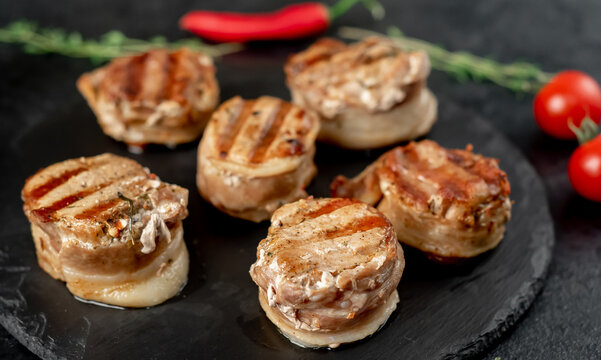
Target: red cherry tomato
584	169
569	95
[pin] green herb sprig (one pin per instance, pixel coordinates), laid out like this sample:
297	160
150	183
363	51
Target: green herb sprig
342	6
36	40
519	77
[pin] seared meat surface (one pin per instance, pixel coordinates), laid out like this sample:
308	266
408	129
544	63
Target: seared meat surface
110	229
450	204
368	94
328	270
256	155
159	97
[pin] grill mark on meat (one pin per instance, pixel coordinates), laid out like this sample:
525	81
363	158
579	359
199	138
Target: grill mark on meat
292	146
354	226
394	165
234	125
173	76
374	73
452	189
410	190
318	58
304	250
327	48
452	175
170	64
98	209
362	224
460	162
256	132
330	207
52	183
45	214
134	86
270	132
123	184
480	167
304	65
134	72
163	75
363	57
451	179
177	78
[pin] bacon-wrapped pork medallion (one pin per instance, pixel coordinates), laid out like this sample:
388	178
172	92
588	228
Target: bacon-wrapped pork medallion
159	97
110	229
256	155
328	271
368	94
450	204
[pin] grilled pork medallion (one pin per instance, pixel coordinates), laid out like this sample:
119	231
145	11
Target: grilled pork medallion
256	155
328	271
450	204
158	97
368	94
110	229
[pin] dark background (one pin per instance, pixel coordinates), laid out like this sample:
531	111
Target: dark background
565	320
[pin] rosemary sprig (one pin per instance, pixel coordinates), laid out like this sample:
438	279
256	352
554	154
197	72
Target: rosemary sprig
131	214
342	6
113	44
519	77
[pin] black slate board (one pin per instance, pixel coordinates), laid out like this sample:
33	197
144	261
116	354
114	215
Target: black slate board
444	312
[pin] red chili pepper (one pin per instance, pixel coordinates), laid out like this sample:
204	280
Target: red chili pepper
290	22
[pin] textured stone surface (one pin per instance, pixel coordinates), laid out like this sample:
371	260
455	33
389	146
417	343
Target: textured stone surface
443	311
564	320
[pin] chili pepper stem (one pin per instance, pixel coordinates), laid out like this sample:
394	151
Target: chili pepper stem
342	6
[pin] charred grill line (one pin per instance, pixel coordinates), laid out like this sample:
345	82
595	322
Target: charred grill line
234	125
330	207
453	187
46	213
270	132
327	49
100	208
165	75
79	230
177	80
53	183
170	65
359	225
134	72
